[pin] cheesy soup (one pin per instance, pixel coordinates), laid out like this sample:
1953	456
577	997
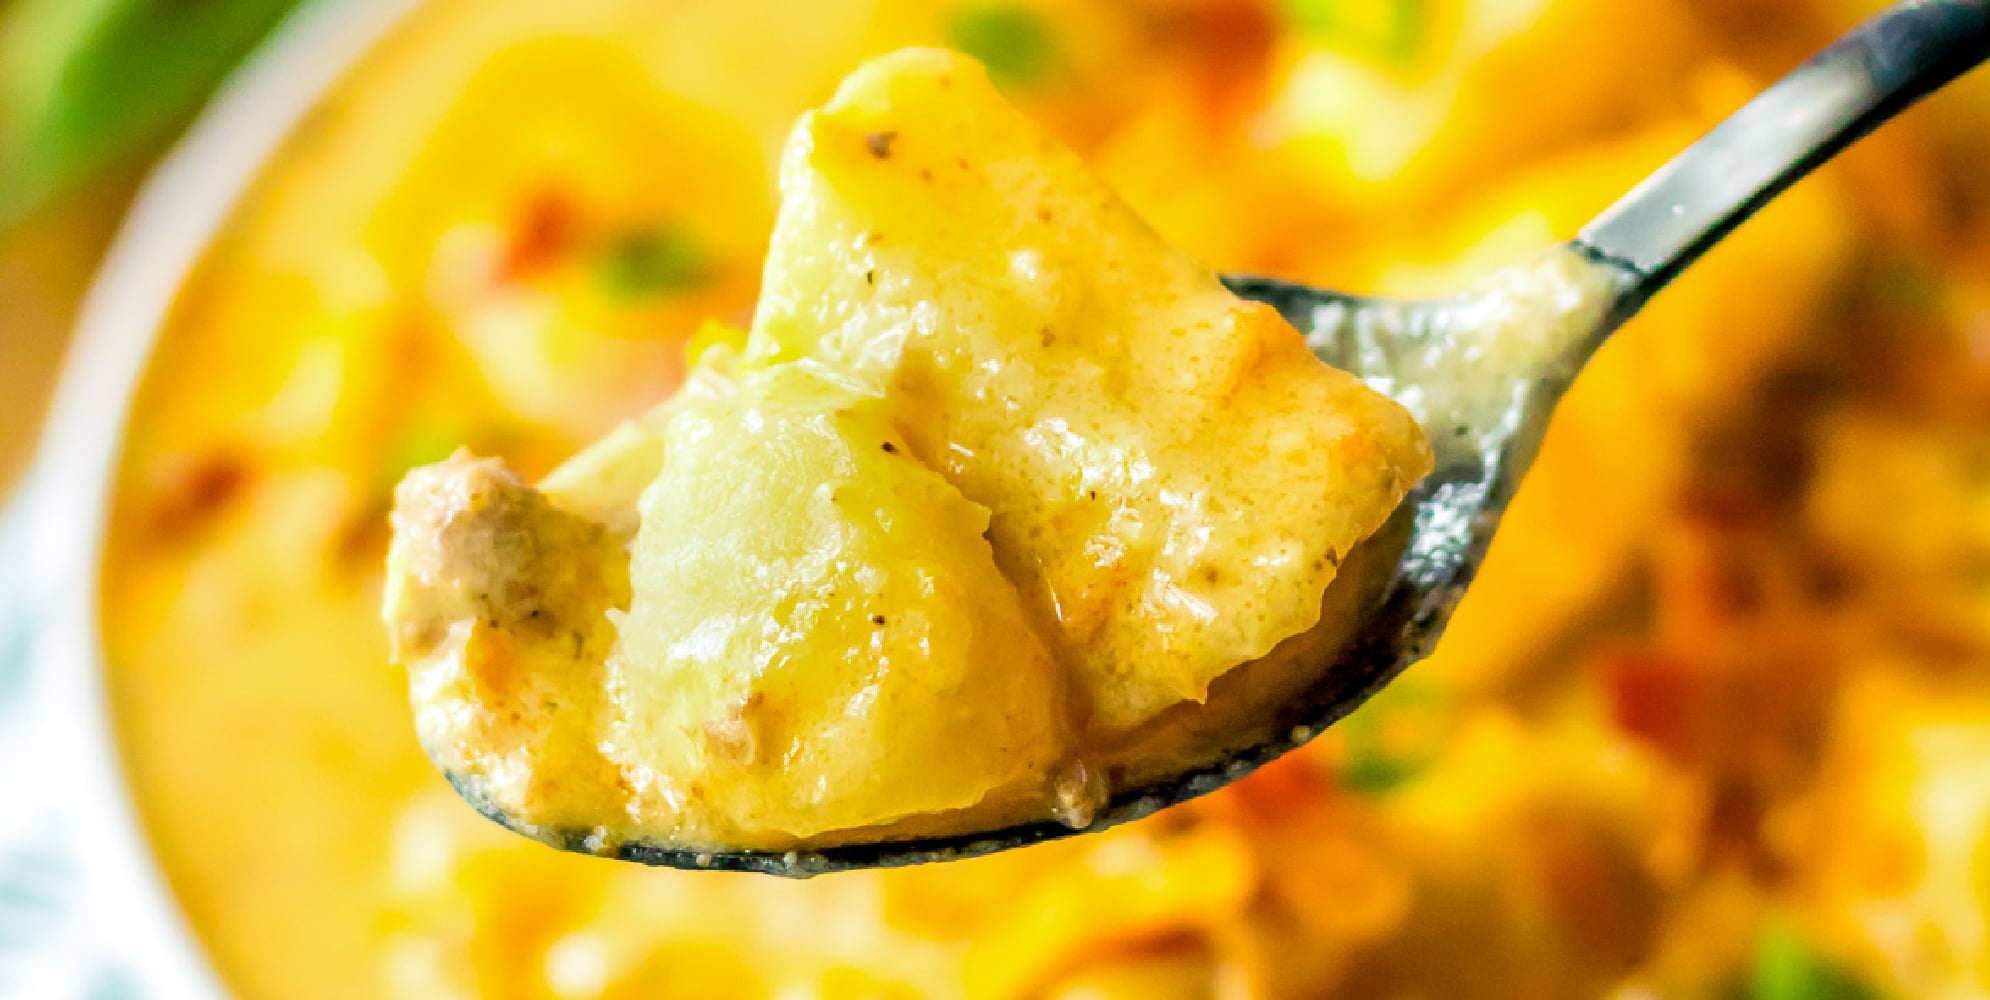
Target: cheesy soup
1712	723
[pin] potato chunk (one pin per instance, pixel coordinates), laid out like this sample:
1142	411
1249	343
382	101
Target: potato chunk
995	479
1174	477
819	638
806	634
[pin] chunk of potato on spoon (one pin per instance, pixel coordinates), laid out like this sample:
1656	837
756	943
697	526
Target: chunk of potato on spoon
1006	521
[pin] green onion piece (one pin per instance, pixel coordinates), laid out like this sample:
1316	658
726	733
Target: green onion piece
1010	39
660	260
1394	738
1313	18
1411	38
425	441
1392	33
1788	967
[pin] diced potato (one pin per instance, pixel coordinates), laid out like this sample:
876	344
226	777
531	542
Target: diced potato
819	639
1174	478
996	477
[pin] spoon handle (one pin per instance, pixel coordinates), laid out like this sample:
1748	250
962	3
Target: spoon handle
1842	93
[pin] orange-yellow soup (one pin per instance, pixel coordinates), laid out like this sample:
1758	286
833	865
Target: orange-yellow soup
1712	723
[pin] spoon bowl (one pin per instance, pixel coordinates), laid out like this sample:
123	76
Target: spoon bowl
1482	371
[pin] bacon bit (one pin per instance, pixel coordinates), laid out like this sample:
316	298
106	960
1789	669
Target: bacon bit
363	540
879	143
1229	44
1652	697
1278	791
546	229
1593	883
1733	833
190	491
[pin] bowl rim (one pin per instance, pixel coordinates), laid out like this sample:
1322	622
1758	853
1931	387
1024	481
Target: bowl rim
182	206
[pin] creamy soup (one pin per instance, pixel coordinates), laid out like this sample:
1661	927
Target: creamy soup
1712	722
998	485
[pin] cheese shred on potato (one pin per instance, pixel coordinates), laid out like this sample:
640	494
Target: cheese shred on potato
996	478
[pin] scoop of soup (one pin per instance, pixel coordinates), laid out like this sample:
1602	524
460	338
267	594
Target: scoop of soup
996	480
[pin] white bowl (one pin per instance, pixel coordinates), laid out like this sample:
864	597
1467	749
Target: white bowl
84	909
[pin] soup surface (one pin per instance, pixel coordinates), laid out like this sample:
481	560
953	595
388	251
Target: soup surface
1711	724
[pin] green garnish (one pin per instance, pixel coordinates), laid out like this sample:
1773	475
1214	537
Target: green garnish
1393	739
1908	284
84	83
655	261
424	441
1392	33
1010	39
1786	966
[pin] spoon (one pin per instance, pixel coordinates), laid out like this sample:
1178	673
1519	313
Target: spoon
1483	370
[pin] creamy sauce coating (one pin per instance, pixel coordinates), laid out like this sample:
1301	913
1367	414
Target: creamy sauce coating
996	481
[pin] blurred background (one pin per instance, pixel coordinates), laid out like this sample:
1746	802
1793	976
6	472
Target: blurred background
1715	723
89	93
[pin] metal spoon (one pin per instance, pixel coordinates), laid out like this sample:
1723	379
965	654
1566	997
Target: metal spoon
1486	417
